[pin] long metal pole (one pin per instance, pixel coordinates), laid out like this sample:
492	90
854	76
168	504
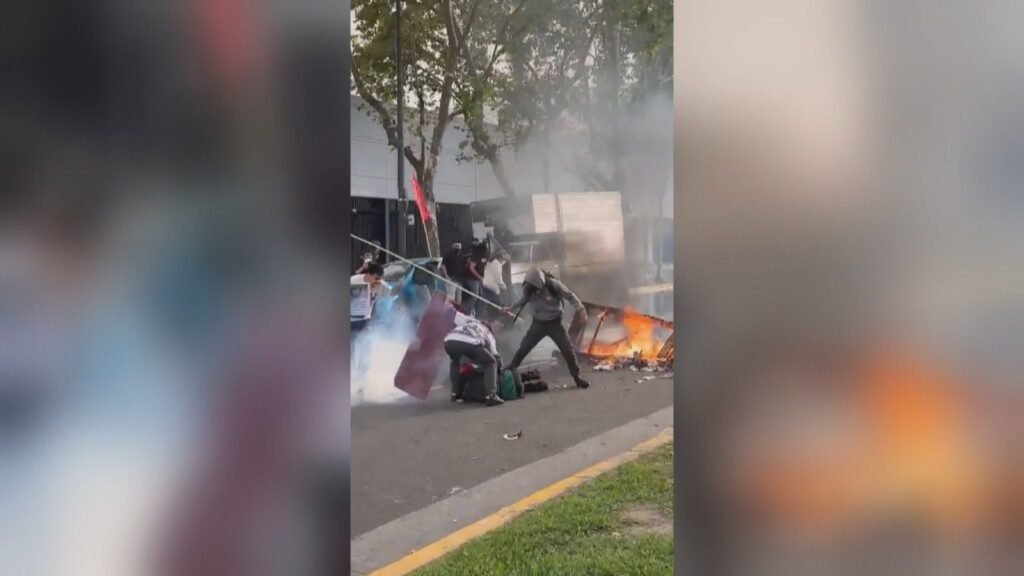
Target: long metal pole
400	109
441	278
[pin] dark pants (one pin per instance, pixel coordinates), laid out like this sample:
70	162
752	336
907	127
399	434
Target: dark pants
551	329
480	356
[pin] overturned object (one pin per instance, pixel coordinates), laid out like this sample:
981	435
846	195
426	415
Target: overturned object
631	341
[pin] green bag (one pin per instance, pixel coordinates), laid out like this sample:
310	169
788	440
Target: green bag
509	386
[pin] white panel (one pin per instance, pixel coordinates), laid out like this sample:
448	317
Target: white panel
545	214
592	222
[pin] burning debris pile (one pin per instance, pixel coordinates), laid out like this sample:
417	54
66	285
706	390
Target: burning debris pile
644	343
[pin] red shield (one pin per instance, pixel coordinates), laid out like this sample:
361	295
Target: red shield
425	355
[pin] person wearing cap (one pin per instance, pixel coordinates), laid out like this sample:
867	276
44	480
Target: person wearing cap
547	295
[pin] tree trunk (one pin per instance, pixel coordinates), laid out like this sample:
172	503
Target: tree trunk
433	240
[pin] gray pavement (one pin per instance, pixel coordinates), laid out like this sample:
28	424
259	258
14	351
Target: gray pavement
408	456
394	540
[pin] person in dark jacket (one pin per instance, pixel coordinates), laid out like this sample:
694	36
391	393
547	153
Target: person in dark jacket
451	269
547	296
474	277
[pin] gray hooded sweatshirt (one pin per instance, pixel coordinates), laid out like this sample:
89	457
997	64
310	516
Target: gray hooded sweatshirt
547	306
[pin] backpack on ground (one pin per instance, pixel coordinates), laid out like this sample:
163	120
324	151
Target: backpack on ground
510	387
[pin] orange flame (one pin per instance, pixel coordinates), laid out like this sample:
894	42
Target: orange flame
639	338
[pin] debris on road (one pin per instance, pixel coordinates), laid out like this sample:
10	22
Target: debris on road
515	436
633	364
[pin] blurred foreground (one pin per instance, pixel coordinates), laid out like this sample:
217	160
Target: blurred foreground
848	179
173	351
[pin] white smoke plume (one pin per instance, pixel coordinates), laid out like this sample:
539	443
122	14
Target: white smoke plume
376	356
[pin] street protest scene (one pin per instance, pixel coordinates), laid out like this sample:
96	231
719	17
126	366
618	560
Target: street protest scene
462	387
511	293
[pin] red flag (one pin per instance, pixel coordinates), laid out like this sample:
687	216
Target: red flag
421	199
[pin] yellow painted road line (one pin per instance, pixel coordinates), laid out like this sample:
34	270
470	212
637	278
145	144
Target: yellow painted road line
431	552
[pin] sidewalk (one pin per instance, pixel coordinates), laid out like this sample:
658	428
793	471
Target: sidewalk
614	517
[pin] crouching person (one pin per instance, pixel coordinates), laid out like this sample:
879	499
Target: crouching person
473	340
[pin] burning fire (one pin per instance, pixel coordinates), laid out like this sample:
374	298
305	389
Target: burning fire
639	340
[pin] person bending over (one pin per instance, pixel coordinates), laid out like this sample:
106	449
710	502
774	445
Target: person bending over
474	340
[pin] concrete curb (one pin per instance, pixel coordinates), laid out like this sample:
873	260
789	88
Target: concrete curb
406	543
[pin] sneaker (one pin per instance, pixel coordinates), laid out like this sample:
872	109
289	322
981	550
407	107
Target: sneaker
456	398
494	401
581	383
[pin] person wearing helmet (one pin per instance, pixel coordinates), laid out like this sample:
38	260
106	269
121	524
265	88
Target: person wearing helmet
546	294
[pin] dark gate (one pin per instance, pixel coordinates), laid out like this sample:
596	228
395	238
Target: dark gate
367	222
369	215
454	223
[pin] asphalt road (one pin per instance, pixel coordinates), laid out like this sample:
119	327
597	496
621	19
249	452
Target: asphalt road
406	456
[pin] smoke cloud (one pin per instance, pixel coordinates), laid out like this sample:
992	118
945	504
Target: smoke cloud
376	355
572	158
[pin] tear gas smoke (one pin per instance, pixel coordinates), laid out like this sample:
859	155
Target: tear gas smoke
376	355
